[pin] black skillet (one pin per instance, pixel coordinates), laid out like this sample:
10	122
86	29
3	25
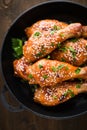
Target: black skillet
63	11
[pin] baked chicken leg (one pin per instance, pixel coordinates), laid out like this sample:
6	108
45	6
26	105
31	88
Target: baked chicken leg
51	96
49	72
41	44
44	26
49	25
73	51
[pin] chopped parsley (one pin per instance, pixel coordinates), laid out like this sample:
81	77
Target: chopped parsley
40	66
67	68
55	97
78	86
30	76
62	35
39	54
52	32
17	46
77	71
36	34
73	51
60	67
48	57
55	27
45	76
63	49
69	91
58	45
54	69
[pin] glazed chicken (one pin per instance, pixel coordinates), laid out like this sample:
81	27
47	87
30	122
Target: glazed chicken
73	51
44	26
49	72
40	44
51	96
48	25
20	66
67	52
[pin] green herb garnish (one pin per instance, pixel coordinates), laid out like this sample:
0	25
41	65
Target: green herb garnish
62	35
60	67
48	57
69	91
67	68
58	45
45	76
55	97
56	27
54	69
52	32
30	76
40	66
73	51
36	34
39	54
17	46
78	86
77	71
63	49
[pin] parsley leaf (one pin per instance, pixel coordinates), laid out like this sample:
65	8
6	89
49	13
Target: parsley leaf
78	86
60	67
17	46
37	34
77	71
54	69
40	66
30	76
45	76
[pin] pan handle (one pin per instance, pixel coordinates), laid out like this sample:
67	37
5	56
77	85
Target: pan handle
7	105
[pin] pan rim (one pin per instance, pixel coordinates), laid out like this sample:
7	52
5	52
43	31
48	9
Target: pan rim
5	82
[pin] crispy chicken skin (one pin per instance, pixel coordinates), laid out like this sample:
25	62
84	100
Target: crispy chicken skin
20	66
48	25
50	72
44	26
72	51
51	96
40	44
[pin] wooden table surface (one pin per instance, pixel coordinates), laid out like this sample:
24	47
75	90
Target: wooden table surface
9	10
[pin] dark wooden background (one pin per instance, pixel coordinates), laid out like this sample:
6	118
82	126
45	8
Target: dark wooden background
9	10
